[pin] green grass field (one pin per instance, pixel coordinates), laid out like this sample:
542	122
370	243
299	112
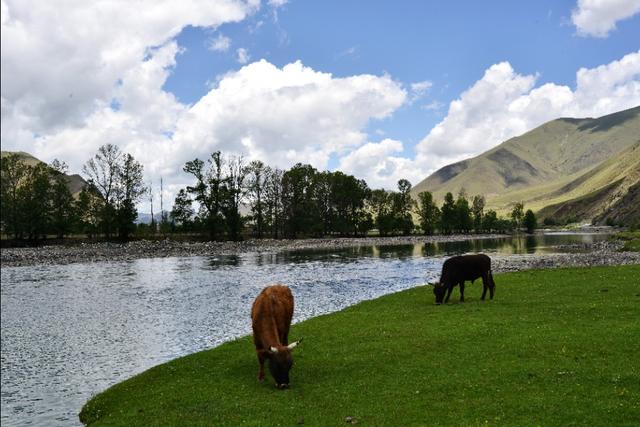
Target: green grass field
555	348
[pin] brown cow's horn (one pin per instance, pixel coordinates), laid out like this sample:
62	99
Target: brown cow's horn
273	350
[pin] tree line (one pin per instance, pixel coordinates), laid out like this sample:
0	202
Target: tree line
305	202
37	202
230	198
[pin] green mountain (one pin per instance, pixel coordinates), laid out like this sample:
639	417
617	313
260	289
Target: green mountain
567	169
75	182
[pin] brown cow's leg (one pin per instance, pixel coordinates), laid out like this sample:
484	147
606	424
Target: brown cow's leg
462	291
261	358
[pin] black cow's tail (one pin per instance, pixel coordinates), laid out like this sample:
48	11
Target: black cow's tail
493	284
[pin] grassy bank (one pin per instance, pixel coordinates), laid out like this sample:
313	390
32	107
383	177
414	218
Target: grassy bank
631	240
556	347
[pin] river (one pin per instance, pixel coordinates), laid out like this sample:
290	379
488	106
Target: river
70	331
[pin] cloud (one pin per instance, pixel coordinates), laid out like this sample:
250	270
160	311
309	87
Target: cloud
277	3
597	18
379	165
62	62
278	115
421	87
242	55
504	104
499	106
419	90
220	44
286	115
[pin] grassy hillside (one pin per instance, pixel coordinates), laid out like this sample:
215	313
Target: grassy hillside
542	353
562	160
75	182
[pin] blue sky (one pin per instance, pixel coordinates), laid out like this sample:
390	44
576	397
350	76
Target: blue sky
449	44
382	90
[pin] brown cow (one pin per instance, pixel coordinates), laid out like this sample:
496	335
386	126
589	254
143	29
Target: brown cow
271	318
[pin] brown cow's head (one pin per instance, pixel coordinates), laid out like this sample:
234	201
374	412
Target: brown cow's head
439	291
280	362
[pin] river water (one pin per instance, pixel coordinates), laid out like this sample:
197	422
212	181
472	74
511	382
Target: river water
70	331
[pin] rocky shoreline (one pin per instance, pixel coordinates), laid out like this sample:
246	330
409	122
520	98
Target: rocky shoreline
601	253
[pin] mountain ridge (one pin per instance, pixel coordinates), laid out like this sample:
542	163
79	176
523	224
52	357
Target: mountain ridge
558	161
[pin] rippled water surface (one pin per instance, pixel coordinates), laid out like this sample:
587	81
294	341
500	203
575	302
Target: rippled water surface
70	331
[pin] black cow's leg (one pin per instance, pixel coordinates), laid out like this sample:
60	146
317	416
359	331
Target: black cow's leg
485	286
461	291
449	289
492	285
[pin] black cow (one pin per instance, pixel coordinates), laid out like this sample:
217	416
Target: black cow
458	269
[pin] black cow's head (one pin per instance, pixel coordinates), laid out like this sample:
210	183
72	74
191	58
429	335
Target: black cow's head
280	363
439	290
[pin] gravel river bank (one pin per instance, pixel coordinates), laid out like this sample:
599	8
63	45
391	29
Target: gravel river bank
596	253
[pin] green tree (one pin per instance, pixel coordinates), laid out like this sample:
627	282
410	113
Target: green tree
35	203
403	205
210	191
182	212
428	213
517	215
380	204
102	173
130	188
274	207
301	215
463	220
490	221
448	214
63	207
235	194
13	172
530	221
89	210
257	177
477	209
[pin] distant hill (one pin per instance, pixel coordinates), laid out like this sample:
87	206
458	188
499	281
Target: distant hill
567	169
75	182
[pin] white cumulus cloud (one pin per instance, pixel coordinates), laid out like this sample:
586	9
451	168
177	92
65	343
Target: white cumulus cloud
62	61
379	164
286	115
597	18
501	105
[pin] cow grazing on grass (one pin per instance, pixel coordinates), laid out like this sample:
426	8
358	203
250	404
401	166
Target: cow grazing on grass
457	270
271	318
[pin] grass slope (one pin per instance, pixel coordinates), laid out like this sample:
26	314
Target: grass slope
561	160
611	179
556	347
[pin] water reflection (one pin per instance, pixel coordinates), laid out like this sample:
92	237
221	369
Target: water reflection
508	245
